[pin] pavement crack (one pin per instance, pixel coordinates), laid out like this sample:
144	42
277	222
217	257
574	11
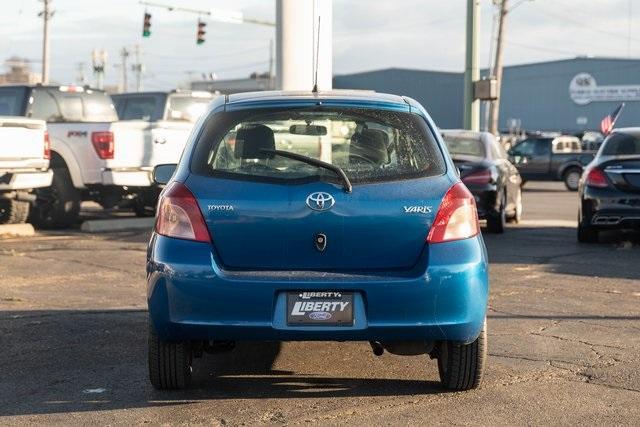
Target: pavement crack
587	343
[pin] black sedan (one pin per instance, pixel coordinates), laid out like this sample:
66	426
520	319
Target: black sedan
610	187
487	172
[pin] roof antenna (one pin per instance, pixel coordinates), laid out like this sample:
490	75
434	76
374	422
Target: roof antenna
315	77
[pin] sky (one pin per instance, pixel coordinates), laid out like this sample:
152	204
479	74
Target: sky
368	35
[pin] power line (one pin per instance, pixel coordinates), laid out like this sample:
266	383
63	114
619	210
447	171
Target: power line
566	18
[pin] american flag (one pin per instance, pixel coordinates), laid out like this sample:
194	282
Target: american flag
607	124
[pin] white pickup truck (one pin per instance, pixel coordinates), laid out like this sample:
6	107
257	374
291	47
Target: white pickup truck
163	121
93	156
24	163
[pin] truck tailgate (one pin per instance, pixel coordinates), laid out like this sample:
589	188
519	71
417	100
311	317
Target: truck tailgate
139	143
22	143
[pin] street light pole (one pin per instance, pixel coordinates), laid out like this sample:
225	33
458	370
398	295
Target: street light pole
471	115
46	15
495	105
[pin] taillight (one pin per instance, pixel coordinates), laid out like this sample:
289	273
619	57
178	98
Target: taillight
457	217
480	177
47	146
179	215
103	144
596	178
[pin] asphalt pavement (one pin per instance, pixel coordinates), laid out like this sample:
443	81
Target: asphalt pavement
564	341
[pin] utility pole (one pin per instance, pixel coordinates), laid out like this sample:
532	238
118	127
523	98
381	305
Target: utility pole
46	15
99	62
271	85
124	54
497	67
80	79
138	68
471	115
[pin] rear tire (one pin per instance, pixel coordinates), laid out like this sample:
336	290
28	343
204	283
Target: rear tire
496	222
13	211
517	215
571	178
169	363
57	206
461	366
587	234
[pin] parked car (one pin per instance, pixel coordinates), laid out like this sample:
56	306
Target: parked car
24	162
487	172
610	187
163	118
91	158
551	158
258	239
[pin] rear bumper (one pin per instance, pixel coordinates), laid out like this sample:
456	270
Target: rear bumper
487	201
191	298
127	177
610	209
25	180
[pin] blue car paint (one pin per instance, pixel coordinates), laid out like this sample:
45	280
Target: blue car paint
438	293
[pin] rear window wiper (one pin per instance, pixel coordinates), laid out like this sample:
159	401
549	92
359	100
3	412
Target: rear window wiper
346	184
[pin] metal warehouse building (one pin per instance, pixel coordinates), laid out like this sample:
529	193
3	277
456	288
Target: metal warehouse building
569	95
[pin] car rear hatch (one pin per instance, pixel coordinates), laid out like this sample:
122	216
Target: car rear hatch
257	225
624	173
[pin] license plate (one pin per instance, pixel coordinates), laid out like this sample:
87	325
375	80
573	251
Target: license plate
320	308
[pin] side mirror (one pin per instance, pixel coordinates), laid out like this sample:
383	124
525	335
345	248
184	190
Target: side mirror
162	173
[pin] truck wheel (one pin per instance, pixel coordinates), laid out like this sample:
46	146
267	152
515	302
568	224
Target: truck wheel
141	210
587	234
571	178
13	211
169	363
461	365
57	206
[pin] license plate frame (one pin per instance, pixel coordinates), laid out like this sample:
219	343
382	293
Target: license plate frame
320	308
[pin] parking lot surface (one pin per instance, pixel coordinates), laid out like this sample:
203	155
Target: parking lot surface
564	341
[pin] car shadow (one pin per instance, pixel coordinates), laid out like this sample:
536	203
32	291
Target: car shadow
71	361
557	249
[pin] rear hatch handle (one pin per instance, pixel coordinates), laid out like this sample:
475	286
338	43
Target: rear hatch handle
346	184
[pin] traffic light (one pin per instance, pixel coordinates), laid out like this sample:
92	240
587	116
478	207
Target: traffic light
146	26
201	32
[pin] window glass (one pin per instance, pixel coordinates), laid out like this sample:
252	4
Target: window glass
137	108
71	107
186	108
367	145
43	106
12	101
532	147
621	144
465	147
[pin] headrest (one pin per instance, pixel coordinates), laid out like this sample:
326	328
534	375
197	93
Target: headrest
370	144
251	140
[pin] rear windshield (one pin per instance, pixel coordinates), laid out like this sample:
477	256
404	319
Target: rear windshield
621	144
186	108
465	147
55	105
137	107
12	101
369	145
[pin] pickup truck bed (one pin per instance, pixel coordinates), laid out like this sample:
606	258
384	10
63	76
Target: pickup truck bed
24	165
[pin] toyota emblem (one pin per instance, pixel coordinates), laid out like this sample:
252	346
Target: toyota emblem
320	201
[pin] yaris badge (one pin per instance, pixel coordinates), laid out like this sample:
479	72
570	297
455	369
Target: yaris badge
320	201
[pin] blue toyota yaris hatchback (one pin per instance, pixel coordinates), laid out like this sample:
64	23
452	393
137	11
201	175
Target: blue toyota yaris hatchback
316	216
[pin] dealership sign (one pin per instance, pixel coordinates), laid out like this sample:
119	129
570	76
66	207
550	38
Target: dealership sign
583	90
